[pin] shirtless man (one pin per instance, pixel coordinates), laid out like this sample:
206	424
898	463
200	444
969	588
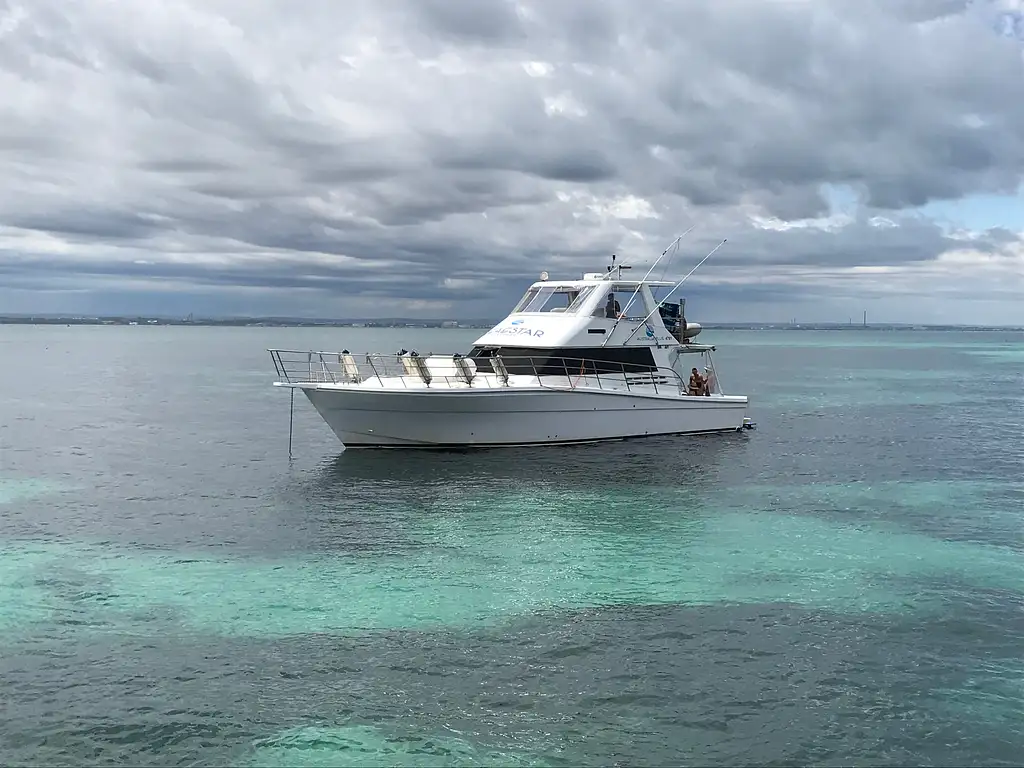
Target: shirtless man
698	385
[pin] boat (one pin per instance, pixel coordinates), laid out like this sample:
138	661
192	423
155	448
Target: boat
575	361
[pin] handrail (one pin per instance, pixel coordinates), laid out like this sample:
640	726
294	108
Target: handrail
298	367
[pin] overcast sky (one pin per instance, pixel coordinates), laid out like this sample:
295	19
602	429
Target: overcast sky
360	158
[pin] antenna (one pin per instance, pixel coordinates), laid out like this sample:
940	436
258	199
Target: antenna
675	288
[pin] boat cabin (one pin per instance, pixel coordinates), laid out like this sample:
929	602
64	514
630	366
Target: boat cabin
600	323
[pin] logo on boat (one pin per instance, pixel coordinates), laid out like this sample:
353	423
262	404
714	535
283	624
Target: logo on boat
515	328
649	331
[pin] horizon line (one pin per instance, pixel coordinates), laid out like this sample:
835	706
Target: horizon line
286	320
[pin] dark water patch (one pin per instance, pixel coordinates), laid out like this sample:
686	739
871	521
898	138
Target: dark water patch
653	685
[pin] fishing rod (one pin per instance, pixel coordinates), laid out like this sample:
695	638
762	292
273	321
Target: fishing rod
674	289
642	281
649	271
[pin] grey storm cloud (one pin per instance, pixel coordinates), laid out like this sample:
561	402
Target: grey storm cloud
401	148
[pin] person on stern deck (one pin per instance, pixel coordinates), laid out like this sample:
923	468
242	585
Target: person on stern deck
698	384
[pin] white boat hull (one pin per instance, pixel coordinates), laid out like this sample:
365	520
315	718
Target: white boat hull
364	417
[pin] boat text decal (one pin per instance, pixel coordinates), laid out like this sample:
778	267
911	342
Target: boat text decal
518	330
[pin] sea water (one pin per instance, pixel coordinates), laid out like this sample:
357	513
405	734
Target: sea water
842	585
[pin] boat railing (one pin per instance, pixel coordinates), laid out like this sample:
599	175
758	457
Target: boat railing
410	369
317	367
600	374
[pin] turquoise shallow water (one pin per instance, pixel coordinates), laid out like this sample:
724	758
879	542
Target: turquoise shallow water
842	585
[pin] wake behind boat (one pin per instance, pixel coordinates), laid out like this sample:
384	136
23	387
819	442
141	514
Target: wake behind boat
567	365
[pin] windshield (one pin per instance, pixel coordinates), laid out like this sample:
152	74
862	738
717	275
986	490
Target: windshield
581	299
554	299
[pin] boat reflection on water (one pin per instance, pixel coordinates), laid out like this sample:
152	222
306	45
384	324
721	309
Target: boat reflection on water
656	461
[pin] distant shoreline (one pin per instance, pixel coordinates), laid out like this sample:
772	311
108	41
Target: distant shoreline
248	322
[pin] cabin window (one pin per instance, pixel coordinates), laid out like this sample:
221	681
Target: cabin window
526	300
566	299
581	298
